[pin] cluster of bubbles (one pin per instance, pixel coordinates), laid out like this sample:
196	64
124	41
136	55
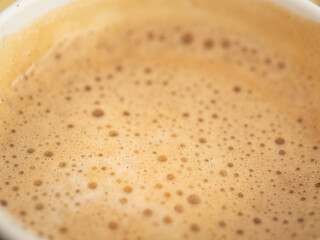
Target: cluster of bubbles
158	132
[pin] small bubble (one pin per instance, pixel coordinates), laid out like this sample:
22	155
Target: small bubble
178	208
48	153
225	43
123	200
92	185
194	199
167	219
57	56
126	113
300	220
162	158
237	89
87	88
97	113
299	120
3	202
222	224
240	232
30	150
113	133
37	183
208	43
170	177
257	220
281	65
39	206
62	164
167	194
147	212
127	189
63	230
184	159
147	70
240	195
187	38
267	61
202	140
223	173
194	227
179	192
113	225
279	141
119	68
317	185
23	213
185	115
282	152
150	35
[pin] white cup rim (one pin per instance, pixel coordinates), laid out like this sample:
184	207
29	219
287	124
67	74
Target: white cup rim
304	8
13	18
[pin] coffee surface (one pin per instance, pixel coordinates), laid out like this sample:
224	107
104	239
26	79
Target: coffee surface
166	129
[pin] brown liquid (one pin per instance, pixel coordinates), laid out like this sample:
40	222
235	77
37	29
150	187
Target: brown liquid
202	127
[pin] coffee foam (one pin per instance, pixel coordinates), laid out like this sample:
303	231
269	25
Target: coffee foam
174	129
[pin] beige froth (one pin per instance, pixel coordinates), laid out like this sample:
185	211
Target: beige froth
163	120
